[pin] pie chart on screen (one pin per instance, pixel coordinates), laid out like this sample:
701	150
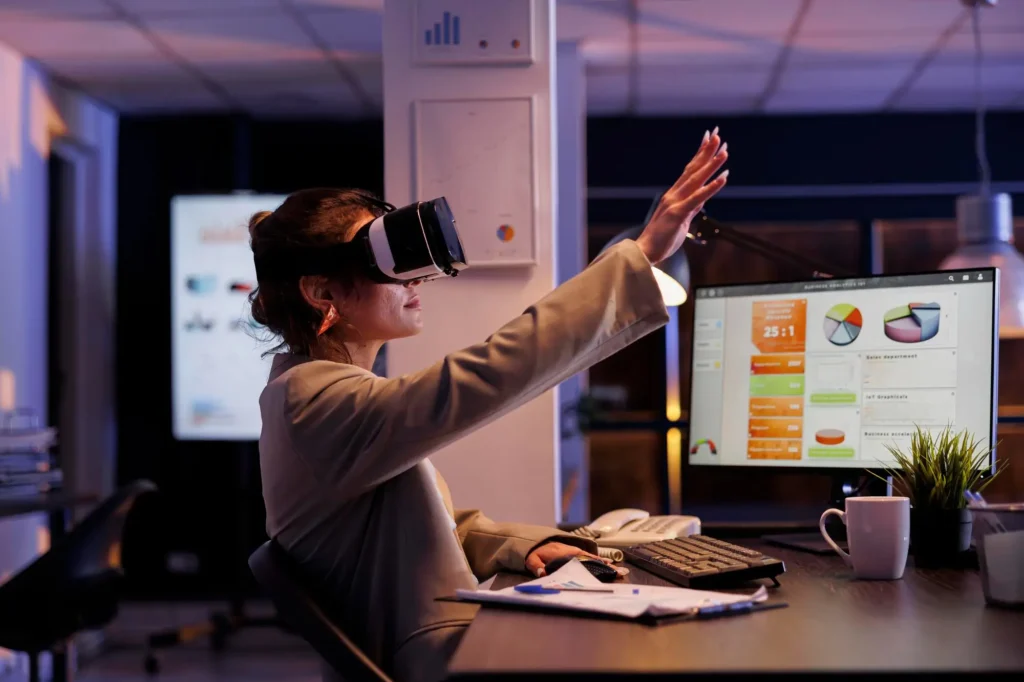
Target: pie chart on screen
913	323
842	324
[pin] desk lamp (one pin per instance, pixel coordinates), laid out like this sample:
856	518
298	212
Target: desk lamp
673	277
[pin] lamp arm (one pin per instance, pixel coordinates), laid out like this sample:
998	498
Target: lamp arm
706	227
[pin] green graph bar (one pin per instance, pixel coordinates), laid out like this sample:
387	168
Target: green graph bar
776	384
831	453
833	398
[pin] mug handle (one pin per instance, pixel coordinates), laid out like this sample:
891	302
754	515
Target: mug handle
830	541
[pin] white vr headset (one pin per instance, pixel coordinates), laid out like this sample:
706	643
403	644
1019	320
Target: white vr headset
414	243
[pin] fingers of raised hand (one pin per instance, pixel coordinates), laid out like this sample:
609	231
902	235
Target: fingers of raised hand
709	147
688	204
696	177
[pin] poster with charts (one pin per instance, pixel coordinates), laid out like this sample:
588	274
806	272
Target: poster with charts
479	154
217	372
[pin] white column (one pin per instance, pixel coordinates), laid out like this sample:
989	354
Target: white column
571	238
510	467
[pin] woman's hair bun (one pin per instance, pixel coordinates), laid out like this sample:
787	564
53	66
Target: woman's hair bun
256	219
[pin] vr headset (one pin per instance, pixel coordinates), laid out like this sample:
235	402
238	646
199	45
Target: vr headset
414	243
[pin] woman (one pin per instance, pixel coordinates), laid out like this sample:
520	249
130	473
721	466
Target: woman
349	491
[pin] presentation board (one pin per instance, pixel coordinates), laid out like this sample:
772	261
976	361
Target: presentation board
216	347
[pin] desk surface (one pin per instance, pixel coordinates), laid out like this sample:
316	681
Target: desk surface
48	502
928	621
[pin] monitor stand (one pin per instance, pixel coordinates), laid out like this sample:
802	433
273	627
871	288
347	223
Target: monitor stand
843	486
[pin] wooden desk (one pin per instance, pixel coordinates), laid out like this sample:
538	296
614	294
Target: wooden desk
928	621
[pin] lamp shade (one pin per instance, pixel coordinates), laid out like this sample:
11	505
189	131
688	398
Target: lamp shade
672	274
985	230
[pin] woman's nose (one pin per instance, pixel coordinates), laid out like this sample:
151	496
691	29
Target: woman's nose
413	283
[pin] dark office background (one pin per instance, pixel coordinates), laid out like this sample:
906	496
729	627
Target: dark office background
162	157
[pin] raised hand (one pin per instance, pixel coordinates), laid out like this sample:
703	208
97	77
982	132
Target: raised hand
669	224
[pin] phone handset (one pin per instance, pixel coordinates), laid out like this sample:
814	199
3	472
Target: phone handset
628	527
615	520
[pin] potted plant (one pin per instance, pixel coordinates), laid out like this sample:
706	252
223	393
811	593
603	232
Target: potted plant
935	473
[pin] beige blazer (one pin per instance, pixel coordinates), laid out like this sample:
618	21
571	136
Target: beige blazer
351	495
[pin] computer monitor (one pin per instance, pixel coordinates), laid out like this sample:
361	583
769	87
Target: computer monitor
218	366
826	373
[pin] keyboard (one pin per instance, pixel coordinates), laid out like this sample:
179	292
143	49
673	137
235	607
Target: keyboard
701	562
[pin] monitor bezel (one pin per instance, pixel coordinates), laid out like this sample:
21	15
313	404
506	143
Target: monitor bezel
993	379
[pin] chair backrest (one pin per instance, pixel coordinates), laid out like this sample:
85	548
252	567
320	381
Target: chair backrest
93	547
298	605
76	584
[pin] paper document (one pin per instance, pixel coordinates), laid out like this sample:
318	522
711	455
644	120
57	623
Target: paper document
625	600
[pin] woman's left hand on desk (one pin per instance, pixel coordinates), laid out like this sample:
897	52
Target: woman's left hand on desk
549	551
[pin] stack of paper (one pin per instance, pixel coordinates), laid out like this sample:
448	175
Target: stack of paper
619	599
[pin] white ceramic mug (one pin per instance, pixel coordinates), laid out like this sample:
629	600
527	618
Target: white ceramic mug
878	533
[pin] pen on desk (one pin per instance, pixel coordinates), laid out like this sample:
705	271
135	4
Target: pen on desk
716	610
541	589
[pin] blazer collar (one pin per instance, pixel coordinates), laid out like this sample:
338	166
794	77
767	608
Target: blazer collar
284	362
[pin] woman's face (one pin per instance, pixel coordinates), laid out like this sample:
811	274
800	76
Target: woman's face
381	312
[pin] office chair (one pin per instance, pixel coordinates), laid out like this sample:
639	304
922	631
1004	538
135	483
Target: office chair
74	586
279	575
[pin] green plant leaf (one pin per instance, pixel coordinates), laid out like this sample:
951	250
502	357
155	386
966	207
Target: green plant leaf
938	468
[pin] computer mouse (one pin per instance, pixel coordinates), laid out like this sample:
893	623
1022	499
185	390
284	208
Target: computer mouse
598	569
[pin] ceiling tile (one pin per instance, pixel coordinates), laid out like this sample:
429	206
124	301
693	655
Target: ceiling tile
950	77
690	51
843	80
668	105
154	8
699	90
822	101
685	81
377	5
351	30
53	9
860	49
996	48
952	99
726	20
881	16
593	24
89	70
168	94
607	91
291	100
247	47
370	74
98	41
1007	15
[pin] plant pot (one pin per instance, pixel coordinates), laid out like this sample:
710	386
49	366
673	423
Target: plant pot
939	537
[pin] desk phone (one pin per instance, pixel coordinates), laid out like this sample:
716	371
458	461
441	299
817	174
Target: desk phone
628	527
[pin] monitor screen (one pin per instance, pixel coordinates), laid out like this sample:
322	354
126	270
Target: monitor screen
217	368
826	373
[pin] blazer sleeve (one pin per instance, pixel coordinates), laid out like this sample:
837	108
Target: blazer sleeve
361	430
491	546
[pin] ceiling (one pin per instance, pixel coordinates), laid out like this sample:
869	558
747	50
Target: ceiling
646	57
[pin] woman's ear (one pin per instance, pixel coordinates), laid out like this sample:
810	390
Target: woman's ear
316	292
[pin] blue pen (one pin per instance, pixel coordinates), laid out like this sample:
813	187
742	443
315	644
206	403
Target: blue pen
540	589
724	609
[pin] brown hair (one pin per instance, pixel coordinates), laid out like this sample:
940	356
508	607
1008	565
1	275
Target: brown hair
309	218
